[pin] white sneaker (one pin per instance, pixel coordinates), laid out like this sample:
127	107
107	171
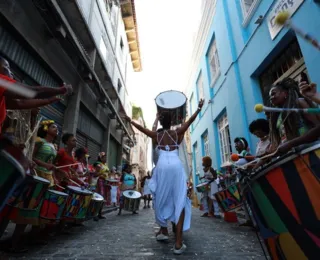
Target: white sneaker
179	251
162	237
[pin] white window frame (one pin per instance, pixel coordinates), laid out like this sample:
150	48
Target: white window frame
213	62
224	138
200	87
206	144
248	13
196	154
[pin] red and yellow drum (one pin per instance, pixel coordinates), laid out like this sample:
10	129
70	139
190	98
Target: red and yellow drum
285	200
25	204
53	206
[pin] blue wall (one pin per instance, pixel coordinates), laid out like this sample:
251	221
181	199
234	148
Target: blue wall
243	53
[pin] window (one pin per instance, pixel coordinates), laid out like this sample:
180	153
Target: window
119	86
213	60
191	105
289	63
205	143
200	87
248	7
196	158
224	138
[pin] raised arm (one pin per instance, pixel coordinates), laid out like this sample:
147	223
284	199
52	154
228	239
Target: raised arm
146	131
155	124
181	130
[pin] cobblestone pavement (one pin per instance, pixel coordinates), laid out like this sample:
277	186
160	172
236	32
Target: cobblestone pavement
133	237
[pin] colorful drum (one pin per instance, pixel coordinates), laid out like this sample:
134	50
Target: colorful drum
53	206
11	173
175	102
77	203
229	198
25	204
203	187
95	205
285	200
131	200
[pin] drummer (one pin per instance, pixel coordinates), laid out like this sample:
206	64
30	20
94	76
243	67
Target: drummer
102	167
260	128
208	198
129	182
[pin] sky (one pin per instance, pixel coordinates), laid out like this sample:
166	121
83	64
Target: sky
167	29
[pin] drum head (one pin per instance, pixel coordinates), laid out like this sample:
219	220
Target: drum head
58	193
132	194
78	190
171	99
97	197
39	179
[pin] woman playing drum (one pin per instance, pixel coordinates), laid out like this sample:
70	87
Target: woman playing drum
129	182
102	167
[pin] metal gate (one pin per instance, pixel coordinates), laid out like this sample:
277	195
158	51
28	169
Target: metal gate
114	147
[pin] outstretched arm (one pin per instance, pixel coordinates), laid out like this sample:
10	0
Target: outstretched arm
181	130
155	124
146	131
30	103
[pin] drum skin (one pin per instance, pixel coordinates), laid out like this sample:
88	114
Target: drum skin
203	187
229	198
174	102
285	202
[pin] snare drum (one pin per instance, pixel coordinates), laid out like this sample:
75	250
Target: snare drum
175	102
53	206
77	203
229	198
25	204
131	200
203	187
95	205
285	200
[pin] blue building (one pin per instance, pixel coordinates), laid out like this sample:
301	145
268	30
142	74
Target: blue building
238	53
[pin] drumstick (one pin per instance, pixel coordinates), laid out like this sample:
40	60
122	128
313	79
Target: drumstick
235	157
17	88
283	18
67	165
260	108
75	182
257	160
60	187
34	130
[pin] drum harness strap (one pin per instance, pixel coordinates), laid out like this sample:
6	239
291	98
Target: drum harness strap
167	147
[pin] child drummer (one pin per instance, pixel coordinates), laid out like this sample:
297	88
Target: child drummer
208	198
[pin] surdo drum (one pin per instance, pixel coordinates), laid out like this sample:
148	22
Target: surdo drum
174	102
131	200
203	187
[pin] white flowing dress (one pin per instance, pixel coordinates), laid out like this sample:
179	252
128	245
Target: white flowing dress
169	186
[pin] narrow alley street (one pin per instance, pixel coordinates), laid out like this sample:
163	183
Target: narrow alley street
133	237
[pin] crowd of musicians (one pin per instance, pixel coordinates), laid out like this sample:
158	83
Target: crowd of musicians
32	141
22	129
277	134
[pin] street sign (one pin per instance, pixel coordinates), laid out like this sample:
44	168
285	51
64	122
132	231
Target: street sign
290	6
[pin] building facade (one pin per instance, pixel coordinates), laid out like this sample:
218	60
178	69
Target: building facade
239	53
140	151
91	44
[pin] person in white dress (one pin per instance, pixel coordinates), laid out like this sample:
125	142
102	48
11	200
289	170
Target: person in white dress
146	190
169	182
